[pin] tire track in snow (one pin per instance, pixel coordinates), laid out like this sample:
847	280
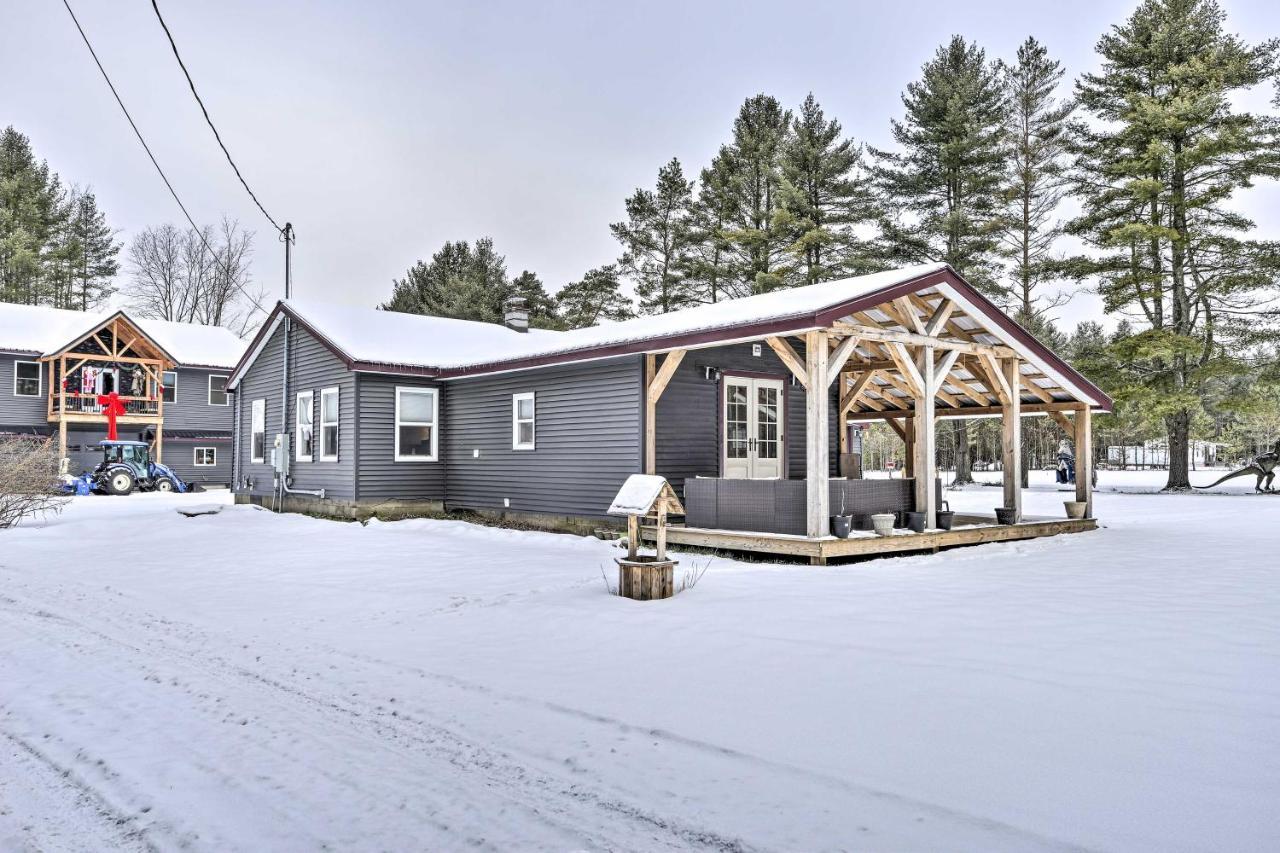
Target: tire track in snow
542	797
93	821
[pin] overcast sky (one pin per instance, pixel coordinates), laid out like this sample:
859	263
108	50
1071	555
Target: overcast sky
382	130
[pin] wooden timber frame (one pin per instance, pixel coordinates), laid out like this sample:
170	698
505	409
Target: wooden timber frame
116	342
912	361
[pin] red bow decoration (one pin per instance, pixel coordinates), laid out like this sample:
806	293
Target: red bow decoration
113	407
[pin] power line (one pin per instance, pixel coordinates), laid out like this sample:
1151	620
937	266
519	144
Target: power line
191	84
199	233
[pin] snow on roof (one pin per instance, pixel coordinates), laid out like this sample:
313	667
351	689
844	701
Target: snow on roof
637	494
387	337
40	329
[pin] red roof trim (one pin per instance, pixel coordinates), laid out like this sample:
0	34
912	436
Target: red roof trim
765	328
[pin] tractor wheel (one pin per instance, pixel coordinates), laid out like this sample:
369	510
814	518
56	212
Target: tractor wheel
164	484
120	482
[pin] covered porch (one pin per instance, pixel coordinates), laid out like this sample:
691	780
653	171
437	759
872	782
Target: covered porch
911	354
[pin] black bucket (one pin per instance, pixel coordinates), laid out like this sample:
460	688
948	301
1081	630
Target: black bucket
840	526
915	521
946	518
1006	515
900	518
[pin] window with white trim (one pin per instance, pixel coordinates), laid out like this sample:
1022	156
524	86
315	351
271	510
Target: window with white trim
27	379
522	421
169	386
217	390
329	424
417	414
258	432
206	457
304	426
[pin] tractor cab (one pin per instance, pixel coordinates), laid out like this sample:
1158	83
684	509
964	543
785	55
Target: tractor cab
127	465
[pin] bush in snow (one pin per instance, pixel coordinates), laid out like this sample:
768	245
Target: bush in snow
28	479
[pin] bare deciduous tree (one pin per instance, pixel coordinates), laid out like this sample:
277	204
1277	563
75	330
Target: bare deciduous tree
175	276
28	479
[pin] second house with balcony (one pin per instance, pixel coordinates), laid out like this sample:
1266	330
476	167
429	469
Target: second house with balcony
59	370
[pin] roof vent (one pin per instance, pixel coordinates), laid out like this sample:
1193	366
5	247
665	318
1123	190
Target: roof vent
517	314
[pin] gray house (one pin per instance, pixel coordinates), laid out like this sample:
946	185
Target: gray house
170	377
742	405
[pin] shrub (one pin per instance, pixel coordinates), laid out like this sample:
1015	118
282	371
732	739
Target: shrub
28	479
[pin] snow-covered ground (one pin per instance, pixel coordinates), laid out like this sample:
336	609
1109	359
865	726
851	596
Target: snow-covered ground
248	681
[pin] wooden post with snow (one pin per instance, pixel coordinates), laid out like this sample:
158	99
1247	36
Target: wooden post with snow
1011	437
1084	460
816	423
641	576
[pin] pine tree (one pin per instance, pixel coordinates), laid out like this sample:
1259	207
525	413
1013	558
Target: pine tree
461	282
948	177
540	305
596	297
754	193
655	241
951	170
31	199
92	251
824	196
1157	171
709	264
1037	128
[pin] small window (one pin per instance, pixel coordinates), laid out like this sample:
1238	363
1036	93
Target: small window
258	432
26	379
169	386
217	390
329	424
416	416
303	429
206	457
522	418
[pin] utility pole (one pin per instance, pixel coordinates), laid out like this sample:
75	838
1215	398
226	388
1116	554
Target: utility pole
287	234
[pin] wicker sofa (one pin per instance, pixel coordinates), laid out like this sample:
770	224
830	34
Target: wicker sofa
778	506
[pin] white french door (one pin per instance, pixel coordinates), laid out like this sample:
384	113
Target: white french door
753	424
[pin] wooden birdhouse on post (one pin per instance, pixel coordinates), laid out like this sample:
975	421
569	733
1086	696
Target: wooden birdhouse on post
642	576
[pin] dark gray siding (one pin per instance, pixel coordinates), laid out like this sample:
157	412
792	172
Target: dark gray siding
690	417
179	454
312	367
379	475
20	411
588	439
191	409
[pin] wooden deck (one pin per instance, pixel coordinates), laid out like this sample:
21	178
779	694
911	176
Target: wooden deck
969	530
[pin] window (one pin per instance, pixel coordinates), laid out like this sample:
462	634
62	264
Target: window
416	432
169	386
217	390
26	379
329	424
206	457
303	423
522	422
258	432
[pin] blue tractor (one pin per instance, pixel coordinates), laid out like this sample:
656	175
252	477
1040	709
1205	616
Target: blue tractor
126	466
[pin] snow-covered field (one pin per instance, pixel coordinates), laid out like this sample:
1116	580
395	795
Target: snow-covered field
247	681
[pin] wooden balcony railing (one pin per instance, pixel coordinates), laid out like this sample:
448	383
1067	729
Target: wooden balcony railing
87	404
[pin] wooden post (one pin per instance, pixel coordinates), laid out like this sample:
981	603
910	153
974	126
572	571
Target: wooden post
633	536
655	382
1011	437
817	452
1084	460
160	442
925	457
660	539
909	442
62	411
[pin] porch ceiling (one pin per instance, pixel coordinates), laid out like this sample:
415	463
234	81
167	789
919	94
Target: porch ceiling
873	382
